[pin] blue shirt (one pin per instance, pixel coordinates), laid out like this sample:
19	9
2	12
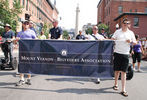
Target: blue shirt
9	34
32	28
28	34
137	47
55	32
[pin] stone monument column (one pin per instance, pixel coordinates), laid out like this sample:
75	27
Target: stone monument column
77	20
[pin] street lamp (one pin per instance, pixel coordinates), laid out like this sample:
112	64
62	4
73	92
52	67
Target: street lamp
117	26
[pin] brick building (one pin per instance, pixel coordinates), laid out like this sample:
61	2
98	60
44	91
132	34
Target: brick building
40	12
111	13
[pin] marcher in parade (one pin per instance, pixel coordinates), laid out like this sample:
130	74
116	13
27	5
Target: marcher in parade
103	33
42	36
80	36
137	51
144	45
123	37
7	47
95	36
26	33
56	31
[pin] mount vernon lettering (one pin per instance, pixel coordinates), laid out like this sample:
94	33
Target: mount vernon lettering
28	58
25	58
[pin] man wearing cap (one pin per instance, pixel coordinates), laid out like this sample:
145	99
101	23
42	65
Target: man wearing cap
80	36
95	35
103	33
123	37
26	33
56	31
7	47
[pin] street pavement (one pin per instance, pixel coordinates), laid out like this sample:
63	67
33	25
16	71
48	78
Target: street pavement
47	87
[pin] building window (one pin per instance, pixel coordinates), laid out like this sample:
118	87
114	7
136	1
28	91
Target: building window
145	9
120	9
136	21
23	2
109	10
27	5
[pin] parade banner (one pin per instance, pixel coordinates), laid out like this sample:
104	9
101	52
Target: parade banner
70	58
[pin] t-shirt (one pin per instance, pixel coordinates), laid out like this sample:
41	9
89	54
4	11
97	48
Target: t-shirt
28	34
9	34
121	46
55	32
32	28
137	47
80	37
104	35
41	37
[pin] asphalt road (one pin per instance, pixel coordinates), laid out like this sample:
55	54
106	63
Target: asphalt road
46	87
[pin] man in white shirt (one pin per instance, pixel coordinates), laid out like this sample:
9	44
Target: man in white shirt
95	35
123	37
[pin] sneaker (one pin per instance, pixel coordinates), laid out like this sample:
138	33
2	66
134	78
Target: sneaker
17	73
21	82
139	70
28	82
97	81
134	69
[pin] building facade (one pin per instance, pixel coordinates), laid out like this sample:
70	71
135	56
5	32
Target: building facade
38	11
111	13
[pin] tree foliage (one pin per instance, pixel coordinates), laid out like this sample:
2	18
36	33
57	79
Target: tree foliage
89	31
9	15
65	35
46	27
106	28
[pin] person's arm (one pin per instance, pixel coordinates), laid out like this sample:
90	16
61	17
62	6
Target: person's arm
132	40
142	50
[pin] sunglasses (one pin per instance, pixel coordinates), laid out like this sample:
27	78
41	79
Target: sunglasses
126	22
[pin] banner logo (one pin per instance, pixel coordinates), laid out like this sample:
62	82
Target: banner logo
64	52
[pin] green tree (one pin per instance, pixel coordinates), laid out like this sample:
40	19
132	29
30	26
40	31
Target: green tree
45	29
9	15
65	35
89	31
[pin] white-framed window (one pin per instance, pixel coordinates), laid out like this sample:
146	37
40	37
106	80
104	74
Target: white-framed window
120	9
136	22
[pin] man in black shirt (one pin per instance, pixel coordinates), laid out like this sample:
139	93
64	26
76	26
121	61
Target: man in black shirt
80	36
55	31
7	46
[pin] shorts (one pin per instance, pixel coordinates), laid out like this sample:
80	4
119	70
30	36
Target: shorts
121	62
136	56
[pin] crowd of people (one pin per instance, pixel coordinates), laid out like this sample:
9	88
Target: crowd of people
123	37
